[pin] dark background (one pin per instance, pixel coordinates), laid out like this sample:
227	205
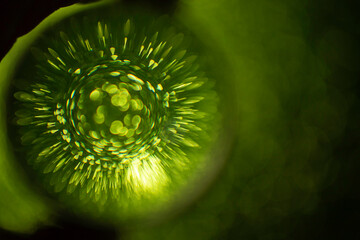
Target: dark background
337	215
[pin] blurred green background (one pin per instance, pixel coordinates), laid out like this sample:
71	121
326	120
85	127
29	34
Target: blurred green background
293	170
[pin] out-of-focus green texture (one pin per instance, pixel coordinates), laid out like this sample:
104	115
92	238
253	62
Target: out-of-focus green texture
288	118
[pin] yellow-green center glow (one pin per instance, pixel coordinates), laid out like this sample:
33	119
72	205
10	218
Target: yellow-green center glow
115	119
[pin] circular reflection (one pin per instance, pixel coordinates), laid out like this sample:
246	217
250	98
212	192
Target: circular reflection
116	115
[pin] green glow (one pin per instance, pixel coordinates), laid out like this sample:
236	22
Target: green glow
115	119
289	114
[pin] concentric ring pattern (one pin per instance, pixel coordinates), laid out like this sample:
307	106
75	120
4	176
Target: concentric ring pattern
115	111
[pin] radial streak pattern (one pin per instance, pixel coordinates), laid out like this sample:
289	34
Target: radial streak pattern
112	111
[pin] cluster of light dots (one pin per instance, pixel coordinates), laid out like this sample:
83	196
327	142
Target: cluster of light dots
113	114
